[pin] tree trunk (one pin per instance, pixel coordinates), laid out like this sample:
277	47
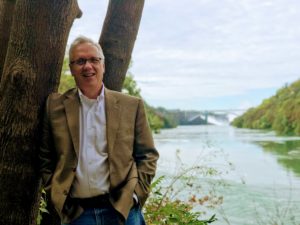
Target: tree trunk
6	15
117	39
31	71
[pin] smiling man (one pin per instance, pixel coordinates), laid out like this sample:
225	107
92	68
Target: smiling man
97	157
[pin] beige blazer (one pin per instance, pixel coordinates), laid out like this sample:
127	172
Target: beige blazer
131	153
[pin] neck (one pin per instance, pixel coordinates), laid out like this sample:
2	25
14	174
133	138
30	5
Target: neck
92	93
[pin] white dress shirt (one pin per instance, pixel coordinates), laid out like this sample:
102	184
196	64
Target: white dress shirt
92	173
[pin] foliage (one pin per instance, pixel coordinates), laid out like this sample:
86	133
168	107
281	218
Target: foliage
281	112
169	117
66	79
130	86
156	121
42	207
161	209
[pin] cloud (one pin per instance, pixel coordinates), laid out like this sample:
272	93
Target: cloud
217	48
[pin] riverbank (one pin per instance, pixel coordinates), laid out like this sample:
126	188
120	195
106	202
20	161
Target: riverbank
261	181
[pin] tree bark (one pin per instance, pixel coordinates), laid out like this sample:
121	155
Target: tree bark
31	71
117	39
6	14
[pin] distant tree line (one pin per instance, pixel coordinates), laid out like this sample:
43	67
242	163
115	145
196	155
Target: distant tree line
280	112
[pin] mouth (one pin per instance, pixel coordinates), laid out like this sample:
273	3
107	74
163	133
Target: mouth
88	74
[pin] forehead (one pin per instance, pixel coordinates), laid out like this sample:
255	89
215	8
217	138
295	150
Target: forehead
85	50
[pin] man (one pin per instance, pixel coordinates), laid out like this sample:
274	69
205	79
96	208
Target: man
97	155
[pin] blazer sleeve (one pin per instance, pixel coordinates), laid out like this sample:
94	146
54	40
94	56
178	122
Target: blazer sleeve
145	154
47	156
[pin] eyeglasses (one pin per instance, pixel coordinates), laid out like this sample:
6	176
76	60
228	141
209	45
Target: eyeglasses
82	61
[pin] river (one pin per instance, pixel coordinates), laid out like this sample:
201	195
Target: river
258	173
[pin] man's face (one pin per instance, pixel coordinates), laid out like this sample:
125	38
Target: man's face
89	75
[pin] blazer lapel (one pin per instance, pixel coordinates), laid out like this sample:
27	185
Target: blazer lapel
112	118
71	104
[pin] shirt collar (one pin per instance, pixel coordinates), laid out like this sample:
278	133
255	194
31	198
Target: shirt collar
100	97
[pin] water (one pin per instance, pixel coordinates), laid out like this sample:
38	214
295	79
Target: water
260	180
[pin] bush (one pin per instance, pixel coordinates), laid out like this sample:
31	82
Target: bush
160	209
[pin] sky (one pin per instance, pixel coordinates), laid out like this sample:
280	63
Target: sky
208	54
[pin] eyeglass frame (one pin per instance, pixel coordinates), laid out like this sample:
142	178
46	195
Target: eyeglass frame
83	61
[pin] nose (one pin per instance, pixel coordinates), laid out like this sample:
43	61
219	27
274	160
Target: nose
87	64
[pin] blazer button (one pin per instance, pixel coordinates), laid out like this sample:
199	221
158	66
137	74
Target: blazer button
74	169
65	192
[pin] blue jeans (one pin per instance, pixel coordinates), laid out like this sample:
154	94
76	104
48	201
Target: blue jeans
108	216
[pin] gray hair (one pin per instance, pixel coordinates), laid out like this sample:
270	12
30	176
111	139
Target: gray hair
81	40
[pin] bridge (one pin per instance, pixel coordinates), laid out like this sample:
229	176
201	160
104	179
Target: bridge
217	116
